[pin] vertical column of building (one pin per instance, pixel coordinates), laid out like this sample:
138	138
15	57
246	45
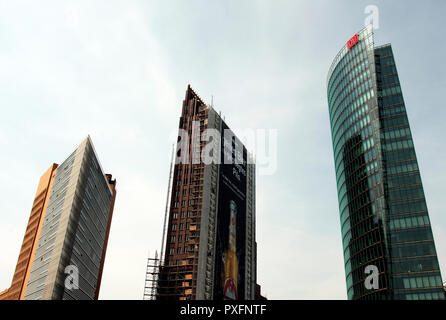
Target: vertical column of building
178	276
24	264
112	183
207	248
414	268
57	263
251	259
354	121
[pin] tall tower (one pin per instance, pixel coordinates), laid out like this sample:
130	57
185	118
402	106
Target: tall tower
210	243
384	218
64	247
24	263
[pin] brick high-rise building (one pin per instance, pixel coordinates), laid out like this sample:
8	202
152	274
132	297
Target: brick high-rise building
69	227
210	251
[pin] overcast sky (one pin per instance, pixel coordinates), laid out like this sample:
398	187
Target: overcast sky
118	70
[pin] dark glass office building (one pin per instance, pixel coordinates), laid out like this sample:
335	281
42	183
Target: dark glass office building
383	212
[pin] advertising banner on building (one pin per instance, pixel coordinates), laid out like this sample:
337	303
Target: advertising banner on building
231	220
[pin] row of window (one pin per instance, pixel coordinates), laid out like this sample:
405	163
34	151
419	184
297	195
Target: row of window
352	184
388	70
402	167
183	203
183	214
180	226
341	137
413	250
400	120
392	105
365	256
384	51
372	180
347	128
417	205
351	114
386	60
396	133
345	110
351	87
173	238
406	193
365	132
399	155
416	234
365	240
425	296
408	222
359	190
404	180
388	80
422	282
345	60
418	264
396	145
177	193
361	214
181	250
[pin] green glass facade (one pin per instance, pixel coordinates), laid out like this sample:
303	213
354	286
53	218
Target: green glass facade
383	212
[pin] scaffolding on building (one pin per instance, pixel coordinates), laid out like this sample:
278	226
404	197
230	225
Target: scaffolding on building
154	264
175	277
151	281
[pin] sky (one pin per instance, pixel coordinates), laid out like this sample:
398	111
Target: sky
118	70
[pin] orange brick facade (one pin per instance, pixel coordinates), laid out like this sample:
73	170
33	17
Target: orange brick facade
31	238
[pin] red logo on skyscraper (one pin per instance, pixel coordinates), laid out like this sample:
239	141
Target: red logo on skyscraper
352	42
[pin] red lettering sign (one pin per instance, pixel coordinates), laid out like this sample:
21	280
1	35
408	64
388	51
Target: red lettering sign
352	42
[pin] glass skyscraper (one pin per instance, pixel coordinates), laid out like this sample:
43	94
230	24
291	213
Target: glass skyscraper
383	213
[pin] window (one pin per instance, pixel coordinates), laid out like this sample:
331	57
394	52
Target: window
174	227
